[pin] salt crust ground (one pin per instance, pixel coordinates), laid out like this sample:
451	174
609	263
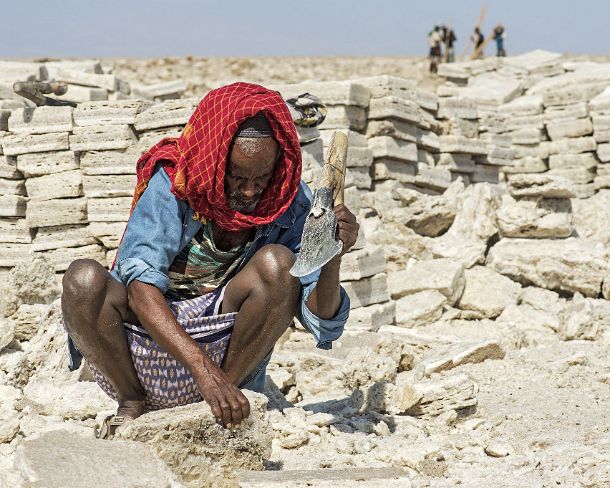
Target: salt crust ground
541	416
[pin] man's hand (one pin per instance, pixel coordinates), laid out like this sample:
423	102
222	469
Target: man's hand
347	227
229	405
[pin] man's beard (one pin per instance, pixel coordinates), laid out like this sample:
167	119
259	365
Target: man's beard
237	202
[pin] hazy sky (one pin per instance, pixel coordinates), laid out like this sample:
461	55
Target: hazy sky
151	28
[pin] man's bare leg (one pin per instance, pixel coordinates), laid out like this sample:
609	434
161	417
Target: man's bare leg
265	295
94	306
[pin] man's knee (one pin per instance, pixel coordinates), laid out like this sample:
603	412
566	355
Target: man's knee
273	263
85	279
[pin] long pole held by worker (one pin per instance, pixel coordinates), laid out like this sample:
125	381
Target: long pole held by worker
482	15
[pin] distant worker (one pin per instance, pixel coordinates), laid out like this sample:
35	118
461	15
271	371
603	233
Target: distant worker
448	39
434	40
499	36
479	43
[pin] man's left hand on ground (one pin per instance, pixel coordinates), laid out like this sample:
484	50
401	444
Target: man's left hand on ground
347	227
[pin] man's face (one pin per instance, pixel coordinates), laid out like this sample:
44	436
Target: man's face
250	168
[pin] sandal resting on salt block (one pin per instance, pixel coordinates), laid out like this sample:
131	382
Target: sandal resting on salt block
109	426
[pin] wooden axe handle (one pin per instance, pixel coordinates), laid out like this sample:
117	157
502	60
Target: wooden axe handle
333	172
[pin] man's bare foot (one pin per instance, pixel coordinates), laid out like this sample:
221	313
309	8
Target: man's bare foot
131	409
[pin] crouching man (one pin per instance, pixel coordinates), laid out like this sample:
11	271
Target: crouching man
200	290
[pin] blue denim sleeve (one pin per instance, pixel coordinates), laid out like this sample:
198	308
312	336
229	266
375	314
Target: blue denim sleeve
153	236
325	331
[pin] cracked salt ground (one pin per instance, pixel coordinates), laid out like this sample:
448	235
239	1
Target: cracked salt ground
476	351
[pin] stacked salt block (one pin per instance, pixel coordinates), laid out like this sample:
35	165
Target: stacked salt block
402	134
165	119
15	236
569	128
56	212
474	123
499	156
86	81
536	206
599	108
459	74
531	67
461	123
364	279
490	90
494	81
346	103
568	124
312	152
159	92
104	134
359	163
522	120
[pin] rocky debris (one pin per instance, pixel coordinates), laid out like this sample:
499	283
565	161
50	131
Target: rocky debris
399	243
539	309
408	396
475	223
195	447
498	449
535	217
166	114
7	332
443	275
486	293
586	217
60	459
436	397
76	400
526	316
429	217
585	319
46	357
458	354
420	308
30	283
528	185
9	428
570	265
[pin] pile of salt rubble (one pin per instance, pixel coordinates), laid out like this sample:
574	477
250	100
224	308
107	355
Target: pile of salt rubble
483	238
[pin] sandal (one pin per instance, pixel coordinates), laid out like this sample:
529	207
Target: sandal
109	426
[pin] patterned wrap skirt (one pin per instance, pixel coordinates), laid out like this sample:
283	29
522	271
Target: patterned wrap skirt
166	382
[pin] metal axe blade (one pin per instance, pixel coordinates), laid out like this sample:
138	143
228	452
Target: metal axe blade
318	243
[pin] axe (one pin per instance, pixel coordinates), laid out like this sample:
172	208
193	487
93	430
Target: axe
318	243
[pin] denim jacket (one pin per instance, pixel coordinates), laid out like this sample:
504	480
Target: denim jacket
162	225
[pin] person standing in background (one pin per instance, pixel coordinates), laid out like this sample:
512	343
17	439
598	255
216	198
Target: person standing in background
434	41
499	37
479	39
449	38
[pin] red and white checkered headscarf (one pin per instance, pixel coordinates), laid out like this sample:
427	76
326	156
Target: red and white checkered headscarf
196	161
